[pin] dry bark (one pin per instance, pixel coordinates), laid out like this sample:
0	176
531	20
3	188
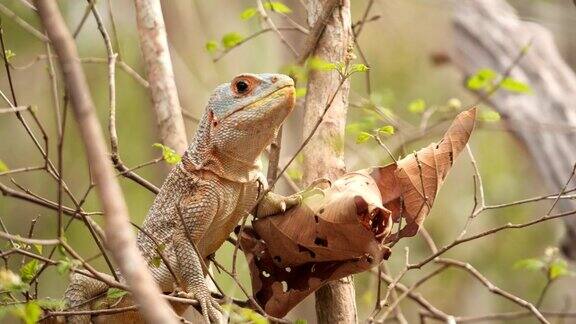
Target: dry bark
323	156
154	44
489	34
121	241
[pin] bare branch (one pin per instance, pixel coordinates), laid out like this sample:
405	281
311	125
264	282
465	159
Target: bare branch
120	239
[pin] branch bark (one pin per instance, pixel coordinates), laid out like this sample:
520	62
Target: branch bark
489	34
154	45
120	239
324	155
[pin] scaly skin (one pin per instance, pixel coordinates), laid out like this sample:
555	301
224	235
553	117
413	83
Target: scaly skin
204	196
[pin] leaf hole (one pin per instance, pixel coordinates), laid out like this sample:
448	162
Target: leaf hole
265	274
284	286
320	241
288	269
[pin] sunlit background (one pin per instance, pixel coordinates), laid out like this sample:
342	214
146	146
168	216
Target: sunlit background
398	46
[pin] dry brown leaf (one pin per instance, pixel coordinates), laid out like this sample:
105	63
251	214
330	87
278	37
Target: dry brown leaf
342	229
409	187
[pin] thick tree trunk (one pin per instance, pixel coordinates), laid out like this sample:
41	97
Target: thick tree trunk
489	34
324	155
154	44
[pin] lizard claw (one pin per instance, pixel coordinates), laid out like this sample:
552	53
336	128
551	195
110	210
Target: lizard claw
211	310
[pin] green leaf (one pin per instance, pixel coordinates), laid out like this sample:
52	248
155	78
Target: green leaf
252	317
482	79
530	264
514	85
358	68
64	265
38	248
3	166
363	137
231	39
298	72
211	46
489	116
301	321
29	312
277	6
388	130
417	106
115	293
558	268
9	54
300	92
52	304
316	63
248	13
29	270
169	155
294	174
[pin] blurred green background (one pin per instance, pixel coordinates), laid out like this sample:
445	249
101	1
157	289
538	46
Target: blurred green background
398	46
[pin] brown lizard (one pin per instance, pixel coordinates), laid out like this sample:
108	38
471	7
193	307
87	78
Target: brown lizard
218	181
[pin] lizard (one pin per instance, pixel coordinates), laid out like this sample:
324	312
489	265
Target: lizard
218	181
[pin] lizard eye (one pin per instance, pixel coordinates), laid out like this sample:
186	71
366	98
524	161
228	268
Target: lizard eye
241	86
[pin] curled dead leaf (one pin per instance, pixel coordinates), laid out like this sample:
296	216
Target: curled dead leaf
343	228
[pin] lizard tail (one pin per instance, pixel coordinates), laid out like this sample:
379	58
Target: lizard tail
78	295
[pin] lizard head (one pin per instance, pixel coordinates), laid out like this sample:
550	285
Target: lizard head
241	119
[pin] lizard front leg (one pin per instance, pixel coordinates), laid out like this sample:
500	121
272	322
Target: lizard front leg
196	212
274	203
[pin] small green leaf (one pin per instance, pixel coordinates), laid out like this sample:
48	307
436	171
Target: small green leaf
3	166
29	313
488	116
482	79
277	6
211	46
38	248
248	13
9	54
417	106
294	174
358	68
298	72
33	312
65	265
231	39
169	155
558	268
363	137
252	317
388	130
29	270
52	304
300	92
301	321
514	85
115	293
316	63
530	264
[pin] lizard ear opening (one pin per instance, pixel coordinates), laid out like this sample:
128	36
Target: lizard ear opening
212	118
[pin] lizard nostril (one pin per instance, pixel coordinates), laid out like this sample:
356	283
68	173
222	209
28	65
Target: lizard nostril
274	79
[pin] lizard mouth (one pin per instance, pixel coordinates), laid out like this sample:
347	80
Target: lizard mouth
284	94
